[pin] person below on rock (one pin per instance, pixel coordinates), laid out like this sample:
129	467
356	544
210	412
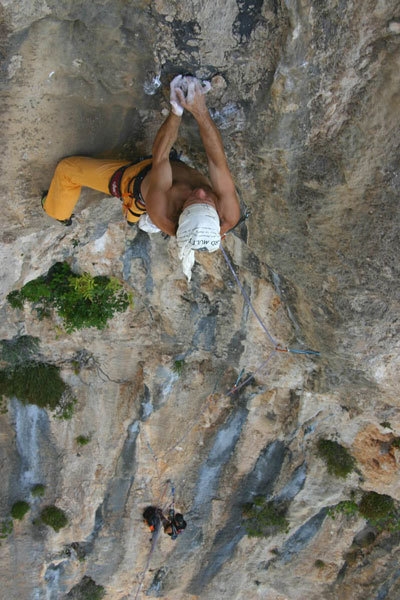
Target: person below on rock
172	526
176	199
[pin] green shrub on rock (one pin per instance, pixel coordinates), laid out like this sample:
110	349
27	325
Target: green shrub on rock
83	440
33	383
178	366
19	349
338	460
86	589
19	509
54	517
38	490
6	527
346	507
263	518
376	506
30	380
80	300
380	510
38	383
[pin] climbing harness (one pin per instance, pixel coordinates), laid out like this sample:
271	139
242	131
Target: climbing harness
132	202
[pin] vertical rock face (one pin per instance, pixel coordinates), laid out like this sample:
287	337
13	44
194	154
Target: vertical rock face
306	96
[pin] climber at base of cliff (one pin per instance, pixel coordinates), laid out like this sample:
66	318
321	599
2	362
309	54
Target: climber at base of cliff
173	526
162	193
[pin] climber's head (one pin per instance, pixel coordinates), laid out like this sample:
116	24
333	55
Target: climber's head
198	229
201	195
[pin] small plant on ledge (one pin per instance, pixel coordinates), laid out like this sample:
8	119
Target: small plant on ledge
80	300
31	380
380	510
38	490
38	383
19	509
178	366
54	517
263	518
338	460
87	589
6	527
83	440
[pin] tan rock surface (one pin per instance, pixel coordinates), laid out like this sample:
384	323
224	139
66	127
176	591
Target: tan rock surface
306	97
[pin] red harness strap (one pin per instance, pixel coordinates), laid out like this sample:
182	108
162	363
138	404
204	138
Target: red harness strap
114	186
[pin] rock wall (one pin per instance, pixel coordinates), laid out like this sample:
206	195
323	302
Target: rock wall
306	96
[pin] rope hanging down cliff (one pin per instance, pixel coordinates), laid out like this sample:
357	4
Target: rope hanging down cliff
275	346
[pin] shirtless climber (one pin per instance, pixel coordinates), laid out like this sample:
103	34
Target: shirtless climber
172	526
178	200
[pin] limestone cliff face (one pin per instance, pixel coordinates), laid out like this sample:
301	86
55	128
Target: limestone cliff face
306	95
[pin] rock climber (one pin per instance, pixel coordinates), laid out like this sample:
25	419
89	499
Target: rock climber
172	196
172	526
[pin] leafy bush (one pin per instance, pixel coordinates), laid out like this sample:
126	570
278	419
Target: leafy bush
338	460
82	440
40	384
380	510
54	517
87	589
19	509
80	300
19	349
177	367
264	518
6	527
3	405
38	490
346	507
33	383
375	506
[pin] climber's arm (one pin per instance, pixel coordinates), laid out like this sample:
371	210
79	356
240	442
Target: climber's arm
160	176
220	175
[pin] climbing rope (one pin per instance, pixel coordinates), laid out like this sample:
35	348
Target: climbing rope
237	386
154	540
246	297
274	343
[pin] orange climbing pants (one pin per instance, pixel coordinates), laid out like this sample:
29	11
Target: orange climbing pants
76	171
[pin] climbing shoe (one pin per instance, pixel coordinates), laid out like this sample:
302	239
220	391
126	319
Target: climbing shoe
43	198
66	222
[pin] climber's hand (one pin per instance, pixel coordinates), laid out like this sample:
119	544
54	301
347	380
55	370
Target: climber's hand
177	108
191	96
